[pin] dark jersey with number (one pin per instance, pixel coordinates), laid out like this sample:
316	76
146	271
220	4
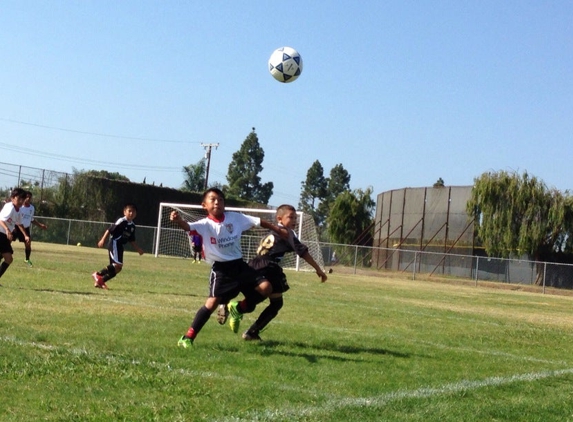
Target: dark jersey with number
273	248
122	231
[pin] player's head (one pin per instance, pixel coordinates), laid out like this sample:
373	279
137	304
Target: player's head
28	198
17	196
130	211
214	202
286	216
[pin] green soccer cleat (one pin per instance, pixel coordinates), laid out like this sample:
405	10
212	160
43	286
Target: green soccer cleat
235	316
185	342
29	263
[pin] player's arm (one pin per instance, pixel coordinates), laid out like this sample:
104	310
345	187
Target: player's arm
319	272
7	230
23	230
281	231
136	247
103	239
40	225
176	218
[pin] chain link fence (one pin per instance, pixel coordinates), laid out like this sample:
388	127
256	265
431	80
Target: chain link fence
352	259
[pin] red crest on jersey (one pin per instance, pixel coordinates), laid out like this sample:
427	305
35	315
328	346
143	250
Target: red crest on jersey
229	228
213	241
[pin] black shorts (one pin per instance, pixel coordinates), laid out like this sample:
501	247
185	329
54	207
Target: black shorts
17	233
197	249
228	279
271	271
5	244
115	249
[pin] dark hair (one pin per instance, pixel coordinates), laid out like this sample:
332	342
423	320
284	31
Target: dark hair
29	194
18	192
130	205
284	208
217	191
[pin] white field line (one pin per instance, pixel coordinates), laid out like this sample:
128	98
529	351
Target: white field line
301	412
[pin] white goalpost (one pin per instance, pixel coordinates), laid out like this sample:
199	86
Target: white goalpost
172	241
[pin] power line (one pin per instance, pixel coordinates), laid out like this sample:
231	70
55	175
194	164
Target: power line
105	135
87	161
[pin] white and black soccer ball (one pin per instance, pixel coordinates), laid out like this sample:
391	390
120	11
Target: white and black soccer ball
285	64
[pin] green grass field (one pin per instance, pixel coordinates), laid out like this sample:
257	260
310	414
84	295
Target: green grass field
353	349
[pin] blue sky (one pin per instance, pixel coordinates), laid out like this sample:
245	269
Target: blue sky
400	93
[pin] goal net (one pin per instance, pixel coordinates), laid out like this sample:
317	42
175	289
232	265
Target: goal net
172	241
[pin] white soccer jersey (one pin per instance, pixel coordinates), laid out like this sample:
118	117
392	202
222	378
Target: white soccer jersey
11	216
27	215
222	239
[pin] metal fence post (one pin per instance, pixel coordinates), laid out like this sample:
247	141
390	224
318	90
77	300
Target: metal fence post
477	269
355	258
544	273
414	269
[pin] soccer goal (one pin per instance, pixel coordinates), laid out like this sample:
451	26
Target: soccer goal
172	241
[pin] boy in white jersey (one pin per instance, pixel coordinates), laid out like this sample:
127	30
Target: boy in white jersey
230	275
9	220
27	215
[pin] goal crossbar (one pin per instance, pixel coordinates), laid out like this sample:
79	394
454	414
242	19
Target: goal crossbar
172	241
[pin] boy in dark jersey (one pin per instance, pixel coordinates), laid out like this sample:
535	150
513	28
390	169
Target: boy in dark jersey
270	276
221	232
120	232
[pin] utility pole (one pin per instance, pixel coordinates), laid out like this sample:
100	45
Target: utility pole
208	158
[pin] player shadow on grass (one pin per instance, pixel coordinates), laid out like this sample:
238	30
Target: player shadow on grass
98	292
320	351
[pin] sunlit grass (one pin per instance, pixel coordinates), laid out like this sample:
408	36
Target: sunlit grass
352	349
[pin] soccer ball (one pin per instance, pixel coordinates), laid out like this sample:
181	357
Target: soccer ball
285	64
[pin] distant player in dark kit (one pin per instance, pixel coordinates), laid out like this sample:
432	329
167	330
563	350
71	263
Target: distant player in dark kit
27	212
120	232
196	247
10	219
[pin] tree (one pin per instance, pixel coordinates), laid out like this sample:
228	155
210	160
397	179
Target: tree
350	222
194	177
314	190
243	174
338	182
350	216
518	215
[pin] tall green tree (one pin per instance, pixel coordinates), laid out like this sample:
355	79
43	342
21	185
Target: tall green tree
337	182
351	216
243	174
194	176
517	214
313	191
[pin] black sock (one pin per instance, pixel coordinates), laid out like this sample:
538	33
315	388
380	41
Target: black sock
201	318
3	267
268	314
28	252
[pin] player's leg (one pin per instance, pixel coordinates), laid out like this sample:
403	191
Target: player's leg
7	256
268	314
28	246
256	288
222	288
102	276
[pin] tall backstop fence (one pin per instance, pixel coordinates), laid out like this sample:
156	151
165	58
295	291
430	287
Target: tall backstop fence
422	219
356	259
